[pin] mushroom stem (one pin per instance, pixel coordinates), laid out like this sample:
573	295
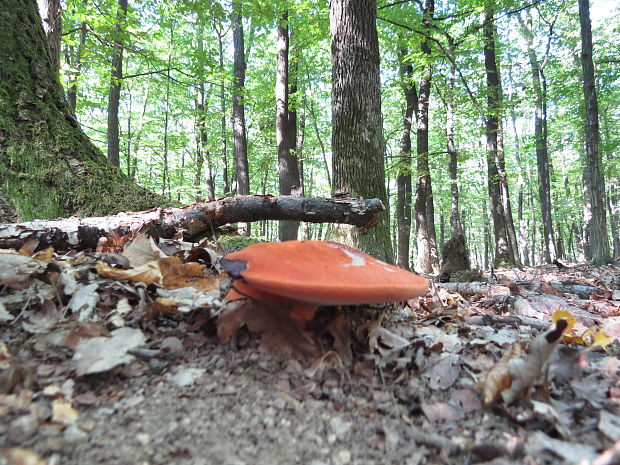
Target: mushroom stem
302	312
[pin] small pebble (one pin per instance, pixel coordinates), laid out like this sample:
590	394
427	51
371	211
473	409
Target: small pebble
340	427
23	428
341	457
74	434
171	348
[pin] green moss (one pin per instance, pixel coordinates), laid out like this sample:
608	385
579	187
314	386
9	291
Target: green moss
467	276
232	242
48	167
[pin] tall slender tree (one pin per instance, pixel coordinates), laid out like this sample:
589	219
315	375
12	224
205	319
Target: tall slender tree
75	57
202	149
427	258
221	32
456	223
596	242
540	136
114	96
357	140
239	130
504	252
404	189
51	15
288	167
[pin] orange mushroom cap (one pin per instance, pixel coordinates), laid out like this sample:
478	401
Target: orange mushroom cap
321	273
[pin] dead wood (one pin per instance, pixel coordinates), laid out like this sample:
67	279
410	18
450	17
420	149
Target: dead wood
512	320
477	288
193	220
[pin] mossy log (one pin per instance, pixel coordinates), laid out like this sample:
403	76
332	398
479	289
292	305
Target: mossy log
194	220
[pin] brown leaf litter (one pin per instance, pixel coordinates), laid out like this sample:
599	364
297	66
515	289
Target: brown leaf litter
105	368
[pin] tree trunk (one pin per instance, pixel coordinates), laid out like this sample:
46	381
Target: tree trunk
138	139
357	139
51	15
596	242
503	181
317	132
76	69
48	167
114	96
217	26
403	179
504	255
165	184
540	136
239	132
202	149
456	224
614	223
521	183
427	259
288	168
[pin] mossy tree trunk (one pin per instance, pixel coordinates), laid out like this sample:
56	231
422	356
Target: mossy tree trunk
48	167
357	138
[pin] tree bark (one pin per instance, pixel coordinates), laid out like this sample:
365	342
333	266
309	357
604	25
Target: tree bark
540	135
51	16
202	149
76	68
114	96
239	131
195	219
403	178
357	139
427	259
596	242
48	167
504	254
456	224
288	168
223	112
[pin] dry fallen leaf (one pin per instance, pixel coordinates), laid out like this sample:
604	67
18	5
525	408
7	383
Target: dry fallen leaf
281	334
498	377
5	355
512	376
21	456
141	250
63	412
591	337
148	273
169	272
100	354
16	269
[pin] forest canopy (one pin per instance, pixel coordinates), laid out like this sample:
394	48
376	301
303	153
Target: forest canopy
491	95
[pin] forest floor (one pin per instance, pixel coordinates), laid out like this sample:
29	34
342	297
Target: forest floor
100	370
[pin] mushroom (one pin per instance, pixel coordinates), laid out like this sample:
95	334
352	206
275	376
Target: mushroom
304	275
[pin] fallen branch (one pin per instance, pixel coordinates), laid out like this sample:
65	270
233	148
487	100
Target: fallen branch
476	288
193	220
